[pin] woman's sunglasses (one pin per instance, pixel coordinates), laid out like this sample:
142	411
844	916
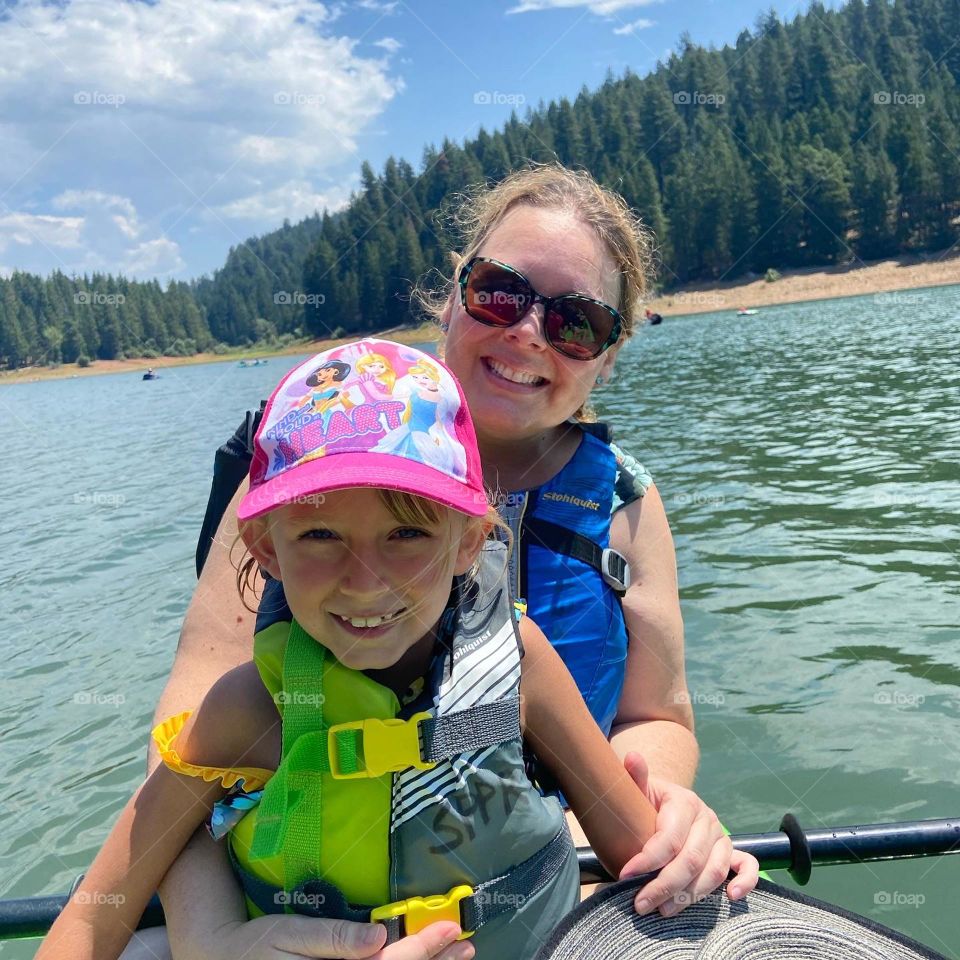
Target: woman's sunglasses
578	327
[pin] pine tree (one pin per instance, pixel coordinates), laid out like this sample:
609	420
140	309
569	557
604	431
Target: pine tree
874	194
822	184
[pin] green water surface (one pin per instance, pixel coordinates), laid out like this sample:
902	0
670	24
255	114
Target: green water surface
809	461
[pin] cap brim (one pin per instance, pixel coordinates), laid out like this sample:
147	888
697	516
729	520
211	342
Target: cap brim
346	470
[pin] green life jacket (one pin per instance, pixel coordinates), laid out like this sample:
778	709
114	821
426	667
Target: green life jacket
454	820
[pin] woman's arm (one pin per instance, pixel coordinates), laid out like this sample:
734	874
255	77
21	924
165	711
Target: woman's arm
616	817
654	716
155	826
655	719
217	632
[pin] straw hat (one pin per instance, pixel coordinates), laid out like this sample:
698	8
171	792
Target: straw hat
771	923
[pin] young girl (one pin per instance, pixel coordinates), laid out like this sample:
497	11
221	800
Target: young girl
367	764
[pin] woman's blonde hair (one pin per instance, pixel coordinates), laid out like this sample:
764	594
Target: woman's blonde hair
407	509
477	213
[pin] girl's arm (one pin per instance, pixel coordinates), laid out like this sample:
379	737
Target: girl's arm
153	828
616	817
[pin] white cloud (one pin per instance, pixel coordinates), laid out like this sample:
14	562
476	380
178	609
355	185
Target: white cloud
629	28
159	257
108	237
121	209
27	229
180	109
390	44
296	199
378	6
602	8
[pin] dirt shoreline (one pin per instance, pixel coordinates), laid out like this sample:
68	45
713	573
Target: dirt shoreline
424	332
877	277
815	283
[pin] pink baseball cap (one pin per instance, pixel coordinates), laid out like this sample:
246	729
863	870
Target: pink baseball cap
372	413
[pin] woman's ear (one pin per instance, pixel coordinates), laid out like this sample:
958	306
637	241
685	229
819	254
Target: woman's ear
471	543
444	322
256	537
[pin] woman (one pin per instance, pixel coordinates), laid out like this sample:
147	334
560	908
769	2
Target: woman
547	289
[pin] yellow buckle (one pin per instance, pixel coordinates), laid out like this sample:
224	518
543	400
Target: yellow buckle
420	912
388	746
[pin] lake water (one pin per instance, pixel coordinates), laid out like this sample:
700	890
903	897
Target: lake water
809	460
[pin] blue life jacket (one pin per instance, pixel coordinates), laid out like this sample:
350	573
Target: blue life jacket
563	567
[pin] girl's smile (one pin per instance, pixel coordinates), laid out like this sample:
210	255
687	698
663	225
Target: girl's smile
367	586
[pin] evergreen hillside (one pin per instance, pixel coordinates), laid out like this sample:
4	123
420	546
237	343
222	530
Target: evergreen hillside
828	138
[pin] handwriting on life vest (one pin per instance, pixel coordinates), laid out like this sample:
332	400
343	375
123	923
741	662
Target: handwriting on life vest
454	820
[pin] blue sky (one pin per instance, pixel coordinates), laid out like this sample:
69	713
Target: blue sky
147	138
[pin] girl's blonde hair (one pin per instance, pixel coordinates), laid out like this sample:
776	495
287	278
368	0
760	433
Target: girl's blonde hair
407	509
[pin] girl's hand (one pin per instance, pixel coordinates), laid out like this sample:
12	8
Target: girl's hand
689	845
287	937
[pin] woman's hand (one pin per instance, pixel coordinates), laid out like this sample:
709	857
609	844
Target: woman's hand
286	937
690	846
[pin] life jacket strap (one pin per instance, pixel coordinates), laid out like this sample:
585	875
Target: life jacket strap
371	748
475	728
611	564
470	907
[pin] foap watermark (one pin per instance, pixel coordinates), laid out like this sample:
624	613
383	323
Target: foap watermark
500	899
897	898
715	301
884	498
97	98
297	298
294	98
299	898
99	498
500	298
299	698
697	498
93	298
308	499
94	698
898	698
698	699
897	98
898	298
687	899
98	899
497	98
697	98
501	499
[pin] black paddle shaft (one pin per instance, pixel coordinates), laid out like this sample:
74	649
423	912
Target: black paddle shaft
783	850
792	849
